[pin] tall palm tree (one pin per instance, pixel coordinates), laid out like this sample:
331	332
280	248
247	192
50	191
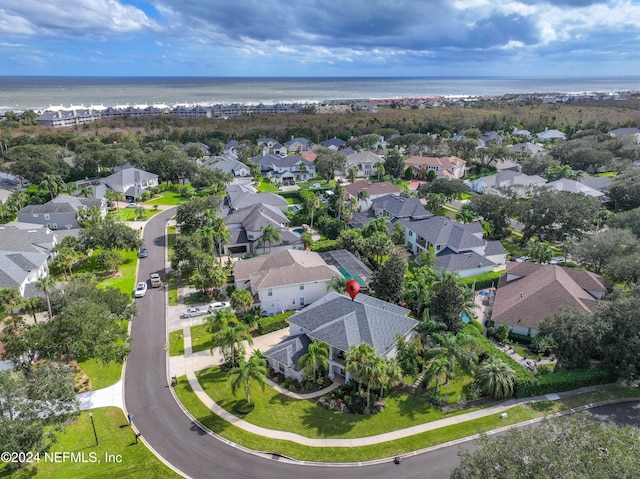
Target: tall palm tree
379	224
496	378
46	285
436	369
427	328
230	340
270	235
221	235
114	196
52	183
352	173
312	203
221	320
317	355
10	300
363	195
465	214
246	372
363	362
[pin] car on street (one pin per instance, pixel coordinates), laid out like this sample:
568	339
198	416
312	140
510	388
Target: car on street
141	289
143	253
194	312
155	280
218	306
558	260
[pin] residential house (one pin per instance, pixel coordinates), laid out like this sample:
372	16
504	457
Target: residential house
395	207
600	183
241	196
271	146
574	186
9	184
297	145
374	190
245	227
633	133
287	169
521	133
527	148
365	161
68	118
286	280
341	323
528	292
551	135
131	182
445	167
241	172
490	136
334	143
514	180
458	247
61	212
25	251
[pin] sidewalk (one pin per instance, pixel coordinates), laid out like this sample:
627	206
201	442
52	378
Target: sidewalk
105	397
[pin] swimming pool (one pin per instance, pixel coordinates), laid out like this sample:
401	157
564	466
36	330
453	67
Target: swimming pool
298	231
465	318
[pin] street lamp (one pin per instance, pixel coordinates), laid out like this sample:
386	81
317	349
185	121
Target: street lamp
94	428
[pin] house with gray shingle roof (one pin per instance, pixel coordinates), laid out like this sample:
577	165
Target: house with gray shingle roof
511	179
549	135
285	169
241	172
342	323
527	293
239	196
245	229
271	146
286	280
131	182
25	251
458	247
334	143
364	161
61	212
296	145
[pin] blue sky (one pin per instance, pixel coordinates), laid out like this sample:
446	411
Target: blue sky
319	38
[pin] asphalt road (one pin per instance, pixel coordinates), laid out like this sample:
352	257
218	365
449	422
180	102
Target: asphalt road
198	455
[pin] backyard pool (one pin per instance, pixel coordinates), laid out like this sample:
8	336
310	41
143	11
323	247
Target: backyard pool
298	231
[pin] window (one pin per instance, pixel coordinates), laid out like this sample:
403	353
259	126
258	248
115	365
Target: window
35	215
301	287
269	292
410	233
47	216
281	368
293	301
301	301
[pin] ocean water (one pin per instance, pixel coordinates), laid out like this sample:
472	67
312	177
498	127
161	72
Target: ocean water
21	93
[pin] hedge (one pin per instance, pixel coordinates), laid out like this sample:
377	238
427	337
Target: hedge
483	281
563	381
273	323
520	338
321	246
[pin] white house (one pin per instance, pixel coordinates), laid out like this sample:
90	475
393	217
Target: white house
365	161
286	280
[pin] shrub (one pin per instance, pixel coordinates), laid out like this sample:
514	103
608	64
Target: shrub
542	344
321	246
563	381
482	281
502	333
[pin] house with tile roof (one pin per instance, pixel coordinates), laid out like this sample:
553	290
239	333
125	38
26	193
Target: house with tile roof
285	280
449	167
131	182
25	252
458	247
61	212
341	323
528	292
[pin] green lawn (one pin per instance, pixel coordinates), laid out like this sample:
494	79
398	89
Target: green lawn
101	375
176	343
387	449
173	290
116	439
276	411
129	214
125	280
201	338
266	186
171	240
168	198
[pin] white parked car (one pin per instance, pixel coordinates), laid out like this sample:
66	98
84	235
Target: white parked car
557	260
218	306
141	289
522	259
194	311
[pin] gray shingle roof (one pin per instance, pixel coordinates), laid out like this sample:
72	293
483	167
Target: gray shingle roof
289	350
452	261
61	204
343	323
240	197
439	230
399	207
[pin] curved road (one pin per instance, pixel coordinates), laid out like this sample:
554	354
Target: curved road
182	443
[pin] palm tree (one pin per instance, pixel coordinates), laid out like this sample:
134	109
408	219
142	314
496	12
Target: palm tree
452	347
379	224
338	284
540	252
363	362
465	214
389	375
380	167
221	235
363	195
46	285
496	378
427	328
317	355
255	369
114	196
32	306
307	240
436	368
52	183
352	173
230	340
65	258
312	203
85	192
270	234
220	320
10	300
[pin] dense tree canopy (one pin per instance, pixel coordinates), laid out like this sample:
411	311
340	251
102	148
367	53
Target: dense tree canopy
624	191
